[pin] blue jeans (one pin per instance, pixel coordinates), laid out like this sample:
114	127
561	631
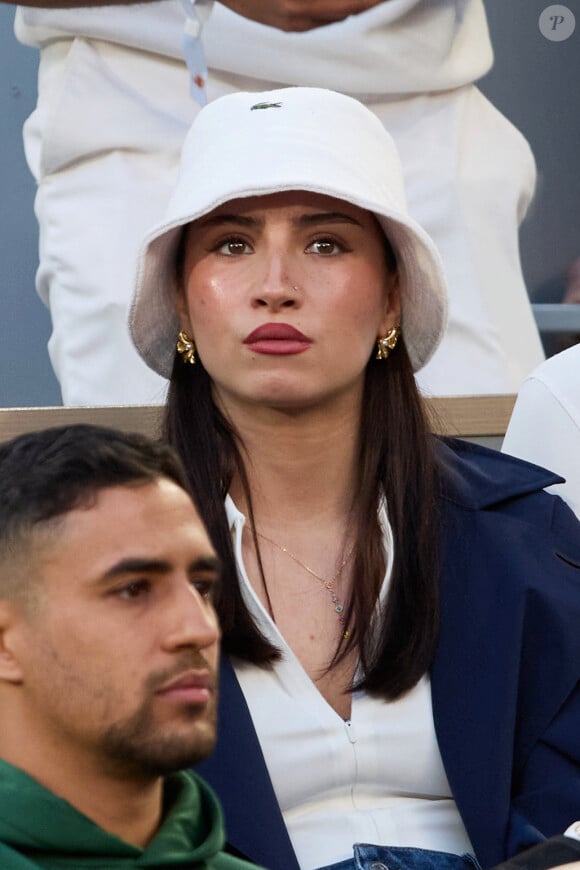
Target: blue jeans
367	857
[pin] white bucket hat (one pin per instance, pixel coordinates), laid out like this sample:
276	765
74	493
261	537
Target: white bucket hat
248	144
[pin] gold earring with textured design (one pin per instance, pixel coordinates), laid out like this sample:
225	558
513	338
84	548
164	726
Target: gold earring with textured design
186	348
388	343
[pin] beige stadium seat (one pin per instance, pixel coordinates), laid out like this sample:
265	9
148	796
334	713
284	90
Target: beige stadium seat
479	418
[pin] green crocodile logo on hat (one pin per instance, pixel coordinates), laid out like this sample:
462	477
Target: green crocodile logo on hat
265	106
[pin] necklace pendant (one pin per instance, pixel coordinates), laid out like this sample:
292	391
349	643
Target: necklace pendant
337	605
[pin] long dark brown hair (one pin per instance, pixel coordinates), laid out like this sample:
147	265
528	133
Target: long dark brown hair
396	461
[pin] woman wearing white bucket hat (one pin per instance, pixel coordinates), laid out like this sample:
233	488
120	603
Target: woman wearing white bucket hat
366	717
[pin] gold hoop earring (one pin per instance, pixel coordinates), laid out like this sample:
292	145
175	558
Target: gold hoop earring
186	348
388	343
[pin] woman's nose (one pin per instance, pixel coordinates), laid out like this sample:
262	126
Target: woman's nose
278	286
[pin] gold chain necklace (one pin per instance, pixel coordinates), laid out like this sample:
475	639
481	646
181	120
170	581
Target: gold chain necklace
328	584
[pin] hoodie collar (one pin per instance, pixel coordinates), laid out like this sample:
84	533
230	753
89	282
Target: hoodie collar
33	820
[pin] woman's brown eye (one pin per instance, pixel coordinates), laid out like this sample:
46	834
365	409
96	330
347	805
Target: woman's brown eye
324	246
236	247
233	247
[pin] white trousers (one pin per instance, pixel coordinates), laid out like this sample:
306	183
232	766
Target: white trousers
104	146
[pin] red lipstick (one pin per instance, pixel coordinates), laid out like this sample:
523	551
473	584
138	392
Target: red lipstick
278	339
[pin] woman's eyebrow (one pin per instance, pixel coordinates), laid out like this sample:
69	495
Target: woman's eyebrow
327	217
236	219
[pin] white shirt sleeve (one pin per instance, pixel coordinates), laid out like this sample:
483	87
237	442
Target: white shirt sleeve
545	424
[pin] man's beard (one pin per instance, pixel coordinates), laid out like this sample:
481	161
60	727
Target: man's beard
140	746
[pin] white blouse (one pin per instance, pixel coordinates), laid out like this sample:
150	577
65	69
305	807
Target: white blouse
377	778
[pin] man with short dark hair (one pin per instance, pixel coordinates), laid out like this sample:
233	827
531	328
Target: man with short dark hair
108	657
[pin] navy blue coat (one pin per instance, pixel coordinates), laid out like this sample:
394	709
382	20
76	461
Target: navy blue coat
505	680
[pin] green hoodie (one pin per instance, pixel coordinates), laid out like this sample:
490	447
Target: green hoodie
39	829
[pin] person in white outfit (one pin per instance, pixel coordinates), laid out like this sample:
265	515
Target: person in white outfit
113	110
545	424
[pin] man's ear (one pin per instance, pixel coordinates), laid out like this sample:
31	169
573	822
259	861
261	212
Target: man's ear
11	621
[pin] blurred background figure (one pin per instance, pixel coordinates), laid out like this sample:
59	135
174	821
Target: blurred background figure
571	297
572	294
113	109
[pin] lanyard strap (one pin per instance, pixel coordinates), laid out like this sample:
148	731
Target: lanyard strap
197	12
